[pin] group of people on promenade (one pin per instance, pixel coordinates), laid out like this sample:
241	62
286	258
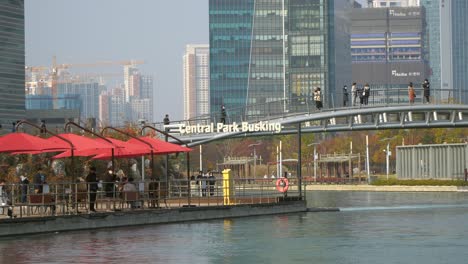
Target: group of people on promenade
114	185
111	184
363	93
203	185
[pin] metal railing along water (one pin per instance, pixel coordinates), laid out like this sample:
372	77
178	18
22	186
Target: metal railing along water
55	199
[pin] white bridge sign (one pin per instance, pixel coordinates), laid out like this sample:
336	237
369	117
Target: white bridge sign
225	128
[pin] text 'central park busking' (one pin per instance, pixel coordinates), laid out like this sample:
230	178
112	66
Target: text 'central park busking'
234	127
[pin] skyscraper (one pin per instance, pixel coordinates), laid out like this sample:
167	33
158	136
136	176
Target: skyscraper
88	92
146	92
275	52
448	50
129	70
12	95
387	49
196	81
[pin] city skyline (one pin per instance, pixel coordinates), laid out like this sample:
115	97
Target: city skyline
150	33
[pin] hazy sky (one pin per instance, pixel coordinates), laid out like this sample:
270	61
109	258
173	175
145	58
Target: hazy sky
86	31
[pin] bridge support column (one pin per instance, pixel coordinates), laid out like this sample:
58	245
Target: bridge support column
299	160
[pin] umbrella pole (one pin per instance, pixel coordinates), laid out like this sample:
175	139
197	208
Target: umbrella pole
73	176
152	166
113	168
188	178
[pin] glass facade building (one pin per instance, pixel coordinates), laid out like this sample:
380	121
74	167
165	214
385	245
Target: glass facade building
12	94
275	52
388	50
88	93
448	50
460	49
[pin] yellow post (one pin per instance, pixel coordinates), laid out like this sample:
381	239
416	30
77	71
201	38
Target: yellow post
228	187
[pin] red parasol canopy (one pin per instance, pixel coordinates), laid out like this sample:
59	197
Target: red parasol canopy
123	149
161	147
82	146
22	143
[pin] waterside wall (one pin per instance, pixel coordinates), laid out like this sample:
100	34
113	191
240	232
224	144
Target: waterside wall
24	226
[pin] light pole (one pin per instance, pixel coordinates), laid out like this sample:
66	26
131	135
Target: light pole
255	156
315	159
388	153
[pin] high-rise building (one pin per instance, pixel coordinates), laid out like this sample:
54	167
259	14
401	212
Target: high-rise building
117	107
140	109
89	95
146	92
134	85
268	51
104	108
12	75
387	49
196	81
448	50
129	70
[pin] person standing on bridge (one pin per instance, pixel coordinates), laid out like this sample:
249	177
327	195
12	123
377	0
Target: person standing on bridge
223	115
345	95
366	94
318	98
411	93
426	88
354	93
166	120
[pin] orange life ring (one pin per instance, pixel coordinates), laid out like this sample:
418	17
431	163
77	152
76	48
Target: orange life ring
282	185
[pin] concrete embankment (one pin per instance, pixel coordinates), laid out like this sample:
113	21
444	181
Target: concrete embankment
396	188
11	227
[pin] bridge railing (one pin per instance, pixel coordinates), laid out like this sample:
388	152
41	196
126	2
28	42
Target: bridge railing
306	104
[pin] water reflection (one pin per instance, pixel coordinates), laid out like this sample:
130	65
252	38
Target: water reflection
374	228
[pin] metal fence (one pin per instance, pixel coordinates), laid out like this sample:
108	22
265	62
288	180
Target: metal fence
436	161
21	200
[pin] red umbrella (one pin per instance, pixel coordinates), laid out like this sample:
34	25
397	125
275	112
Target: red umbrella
22	143
83	146
123	149
161	147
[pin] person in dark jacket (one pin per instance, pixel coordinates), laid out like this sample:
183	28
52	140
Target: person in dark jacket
223	115
109	182
318	98
366	94
345	95
24	183
426	89
212	182
166	120
91	180
39	180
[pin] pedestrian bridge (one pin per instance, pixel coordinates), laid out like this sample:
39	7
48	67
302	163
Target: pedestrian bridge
349	119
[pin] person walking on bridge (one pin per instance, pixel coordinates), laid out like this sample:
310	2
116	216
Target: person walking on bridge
318	98
426	89
411	93
345	95
366	94
354	93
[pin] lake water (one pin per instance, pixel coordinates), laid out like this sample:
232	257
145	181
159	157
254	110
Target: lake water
371	228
